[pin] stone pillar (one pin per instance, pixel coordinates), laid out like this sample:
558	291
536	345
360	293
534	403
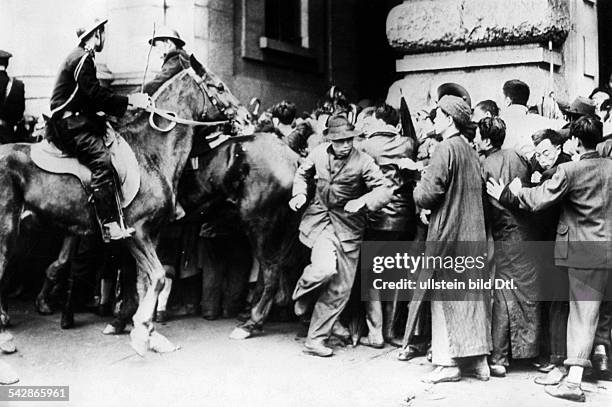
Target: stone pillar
482	43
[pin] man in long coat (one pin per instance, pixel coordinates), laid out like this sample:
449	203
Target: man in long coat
451	188
516	312
170	45
333	225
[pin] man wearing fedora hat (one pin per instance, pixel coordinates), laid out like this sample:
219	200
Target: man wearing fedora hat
168	43
333	225
77	128
12	101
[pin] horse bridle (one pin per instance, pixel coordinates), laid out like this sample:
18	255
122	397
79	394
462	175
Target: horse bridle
172	116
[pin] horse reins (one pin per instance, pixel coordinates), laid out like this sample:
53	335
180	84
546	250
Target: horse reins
174	119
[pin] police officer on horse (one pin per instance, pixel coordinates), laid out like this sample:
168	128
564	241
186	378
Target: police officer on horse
77	127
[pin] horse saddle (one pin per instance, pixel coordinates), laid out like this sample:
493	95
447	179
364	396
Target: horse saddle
49	158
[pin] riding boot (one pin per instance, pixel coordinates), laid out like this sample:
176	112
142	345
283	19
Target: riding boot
108	211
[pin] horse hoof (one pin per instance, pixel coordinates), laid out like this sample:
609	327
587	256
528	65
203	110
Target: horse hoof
239	333
109	329
6	343
42	307
139	340
160	344
7	374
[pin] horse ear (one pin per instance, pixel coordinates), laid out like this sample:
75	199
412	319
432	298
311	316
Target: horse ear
196	65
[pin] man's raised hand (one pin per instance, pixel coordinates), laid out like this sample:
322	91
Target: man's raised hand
494	188
297	202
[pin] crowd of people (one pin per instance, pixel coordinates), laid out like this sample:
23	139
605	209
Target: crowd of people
452	172
504	175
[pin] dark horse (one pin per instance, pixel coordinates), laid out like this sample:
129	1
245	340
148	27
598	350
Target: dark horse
253	177
247	180
60	199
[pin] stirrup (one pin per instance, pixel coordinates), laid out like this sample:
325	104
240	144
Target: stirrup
113	231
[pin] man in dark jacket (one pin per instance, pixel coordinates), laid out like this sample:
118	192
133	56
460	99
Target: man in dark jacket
12	102
170	47
516	336
396	220
77	129
333	225
582	244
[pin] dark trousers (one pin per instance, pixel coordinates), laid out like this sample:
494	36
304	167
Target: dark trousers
83	138
225	275
604	325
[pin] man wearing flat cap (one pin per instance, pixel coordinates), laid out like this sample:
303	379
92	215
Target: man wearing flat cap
12	102
451	187
347	183
168	43
78	129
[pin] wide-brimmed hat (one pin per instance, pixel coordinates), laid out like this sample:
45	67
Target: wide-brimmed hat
166	33
84	31
581	106
339	128
454	89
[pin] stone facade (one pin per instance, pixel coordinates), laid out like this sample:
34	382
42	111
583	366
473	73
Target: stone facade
482	43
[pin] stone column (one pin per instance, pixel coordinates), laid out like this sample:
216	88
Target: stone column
482	43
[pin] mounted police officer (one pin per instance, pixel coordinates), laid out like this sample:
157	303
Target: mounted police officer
78	129
12	102
169	45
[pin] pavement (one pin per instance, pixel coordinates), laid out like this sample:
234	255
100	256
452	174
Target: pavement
267	370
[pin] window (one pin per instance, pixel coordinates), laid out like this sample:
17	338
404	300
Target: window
283	21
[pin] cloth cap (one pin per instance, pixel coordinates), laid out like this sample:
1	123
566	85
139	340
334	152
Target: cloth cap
339	128
457	108
4	57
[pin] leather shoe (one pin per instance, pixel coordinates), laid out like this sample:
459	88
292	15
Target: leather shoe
366	341
498	370
317	349
479	370
553	377
567	391
300	307
410	353
601	367
443	374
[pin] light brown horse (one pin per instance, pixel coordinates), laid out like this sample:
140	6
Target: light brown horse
61	201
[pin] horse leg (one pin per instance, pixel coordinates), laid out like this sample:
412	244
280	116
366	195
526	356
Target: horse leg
270	273
143	336
10	209
55	273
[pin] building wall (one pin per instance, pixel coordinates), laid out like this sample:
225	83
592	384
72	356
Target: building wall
483	43
40	33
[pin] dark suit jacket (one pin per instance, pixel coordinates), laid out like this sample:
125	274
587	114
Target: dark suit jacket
11	108
584	191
